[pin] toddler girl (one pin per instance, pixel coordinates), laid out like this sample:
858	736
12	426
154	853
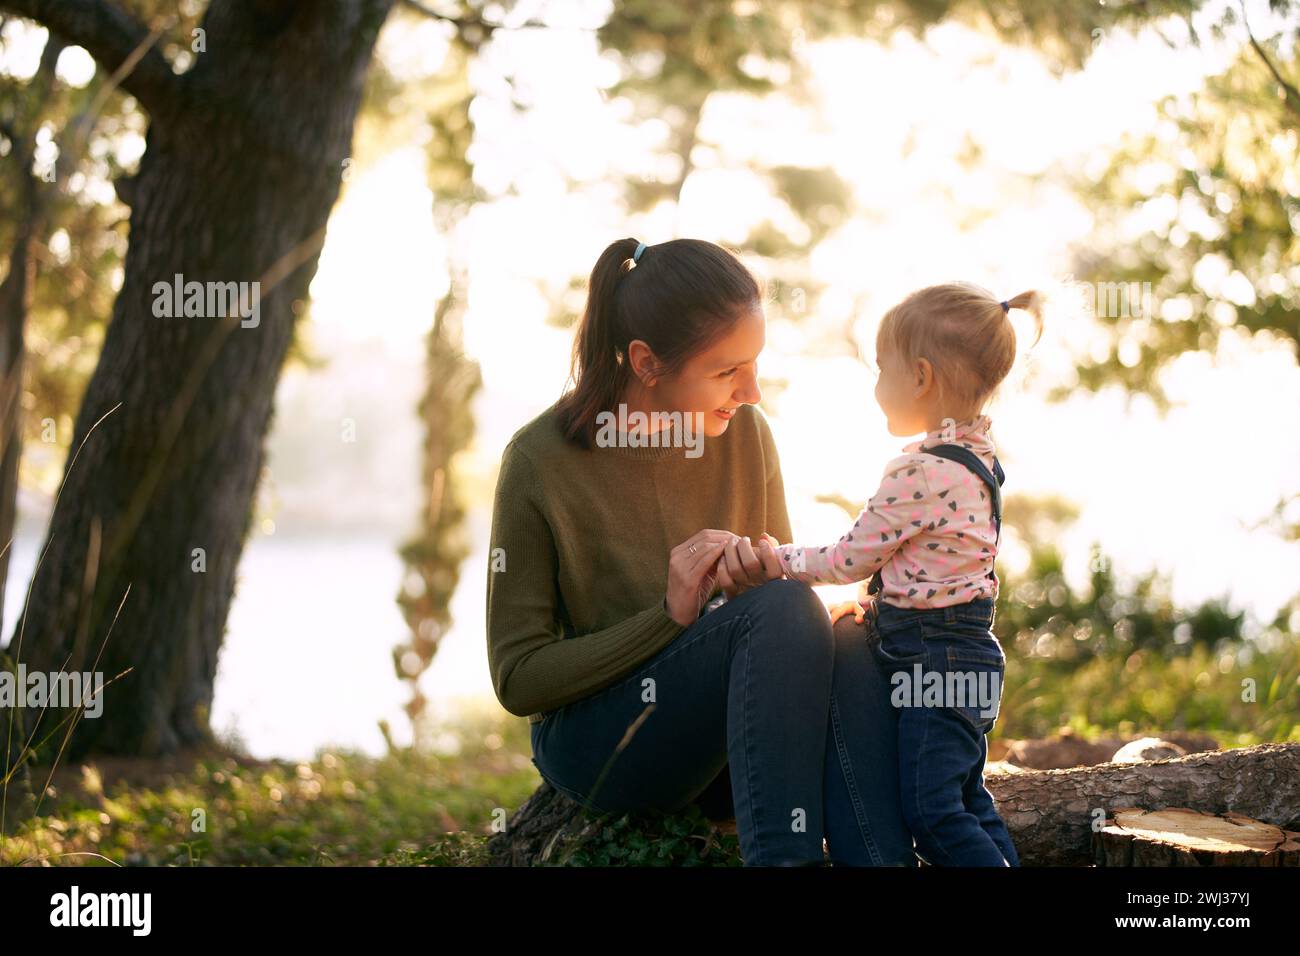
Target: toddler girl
923	550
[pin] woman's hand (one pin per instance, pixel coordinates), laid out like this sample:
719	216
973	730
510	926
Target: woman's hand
692	576
741	567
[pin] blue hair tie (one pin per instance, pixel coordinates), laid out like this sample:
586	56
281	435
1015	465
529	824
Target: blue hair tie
640	248
1005	307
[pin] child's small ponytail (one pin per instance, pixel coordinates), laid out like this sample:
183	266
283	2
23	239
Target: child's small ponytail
1031	302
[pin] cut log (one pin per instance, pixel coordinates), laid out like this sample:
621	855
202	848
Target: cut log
1177	836
1052	814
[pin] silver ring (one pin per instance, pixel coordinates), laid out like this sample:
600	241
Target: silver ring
693	549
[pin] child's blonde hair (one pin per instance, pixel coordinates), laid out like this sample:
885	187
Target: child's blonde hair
964	332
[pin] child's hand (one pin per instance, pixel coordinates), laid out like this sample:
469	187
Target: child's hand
773	544
837	611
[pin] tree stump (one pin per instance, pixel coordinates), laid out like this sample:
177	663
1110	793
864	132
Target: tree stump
550	829
1177	836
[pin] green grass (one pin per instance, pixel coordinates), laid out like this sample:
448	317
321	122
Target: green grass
1141	692
438	808
339	809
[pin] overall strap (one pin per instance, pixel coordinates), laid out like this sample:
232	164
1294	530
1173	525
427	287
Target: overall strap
995	480
972	461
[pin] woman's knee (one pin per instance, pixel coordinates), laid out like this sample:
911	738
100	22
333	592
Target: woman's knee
791	594
794	606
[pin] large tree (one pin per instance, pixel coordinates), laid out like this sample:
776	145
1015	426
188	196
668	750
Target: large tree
243	163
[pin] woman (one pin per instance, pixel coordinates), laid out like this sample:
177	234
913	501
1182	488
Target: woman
607	541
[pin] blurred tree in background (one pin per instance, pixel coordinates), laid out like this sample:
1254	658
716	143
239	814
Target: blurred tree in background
1221	177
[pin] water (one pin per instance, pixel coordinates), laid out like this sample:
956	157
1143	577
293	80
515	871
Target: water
306	661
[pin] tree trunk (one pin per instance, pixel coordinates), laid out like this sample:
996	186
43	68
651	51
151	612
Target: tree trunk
16	803
1050	813
236	185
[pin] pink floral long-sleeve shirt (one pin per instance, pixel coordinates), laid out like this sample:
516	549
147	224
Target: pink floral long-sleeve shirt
928	529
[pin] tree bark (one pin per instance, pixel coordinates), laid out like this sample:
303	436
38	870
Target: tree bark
16	802
236	184
1050	813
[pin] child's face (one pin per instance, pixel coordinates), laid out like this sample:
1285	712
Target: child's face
898	393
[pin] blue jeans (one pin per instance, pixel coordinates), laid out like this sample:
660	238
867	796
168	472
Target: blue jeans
760	692
942	738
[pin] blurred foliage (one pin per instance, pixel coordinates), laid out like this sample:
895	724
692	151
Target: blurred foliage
1120	656
1145	692
433	555
1220	176
82	144
674	56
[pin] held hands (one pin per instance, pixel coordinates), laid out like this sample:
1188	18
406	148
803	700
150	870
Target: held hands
712	558
741	567
692	573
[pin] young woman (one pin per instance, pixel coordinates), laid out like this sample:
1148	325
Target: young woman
620	510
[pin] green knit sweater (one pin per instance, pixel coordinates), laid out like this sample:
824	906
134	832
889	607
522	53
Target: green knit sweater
578	562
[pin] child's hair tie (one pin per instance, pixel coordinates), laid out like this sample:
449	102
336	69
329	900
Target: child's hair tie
1005	306
640	248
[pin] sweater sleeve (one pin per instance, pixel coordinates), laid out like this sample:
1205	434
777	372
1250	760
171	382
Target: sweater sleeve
536	662
889	519
778	517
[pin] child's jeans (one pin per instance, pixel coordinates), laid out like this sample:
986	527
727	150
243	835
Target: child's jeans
944	669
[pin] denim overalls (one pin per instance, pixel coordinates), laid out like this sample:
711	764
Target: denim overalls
945	669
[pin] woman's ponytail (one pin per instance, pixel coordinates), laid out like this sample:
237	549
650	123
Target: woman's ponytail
597	375
677	297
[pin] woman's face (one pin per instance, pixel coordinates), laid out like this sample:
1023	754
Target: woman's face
719	379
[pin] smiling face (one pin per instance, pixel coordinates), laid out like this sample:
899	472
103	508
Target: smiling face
716	380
